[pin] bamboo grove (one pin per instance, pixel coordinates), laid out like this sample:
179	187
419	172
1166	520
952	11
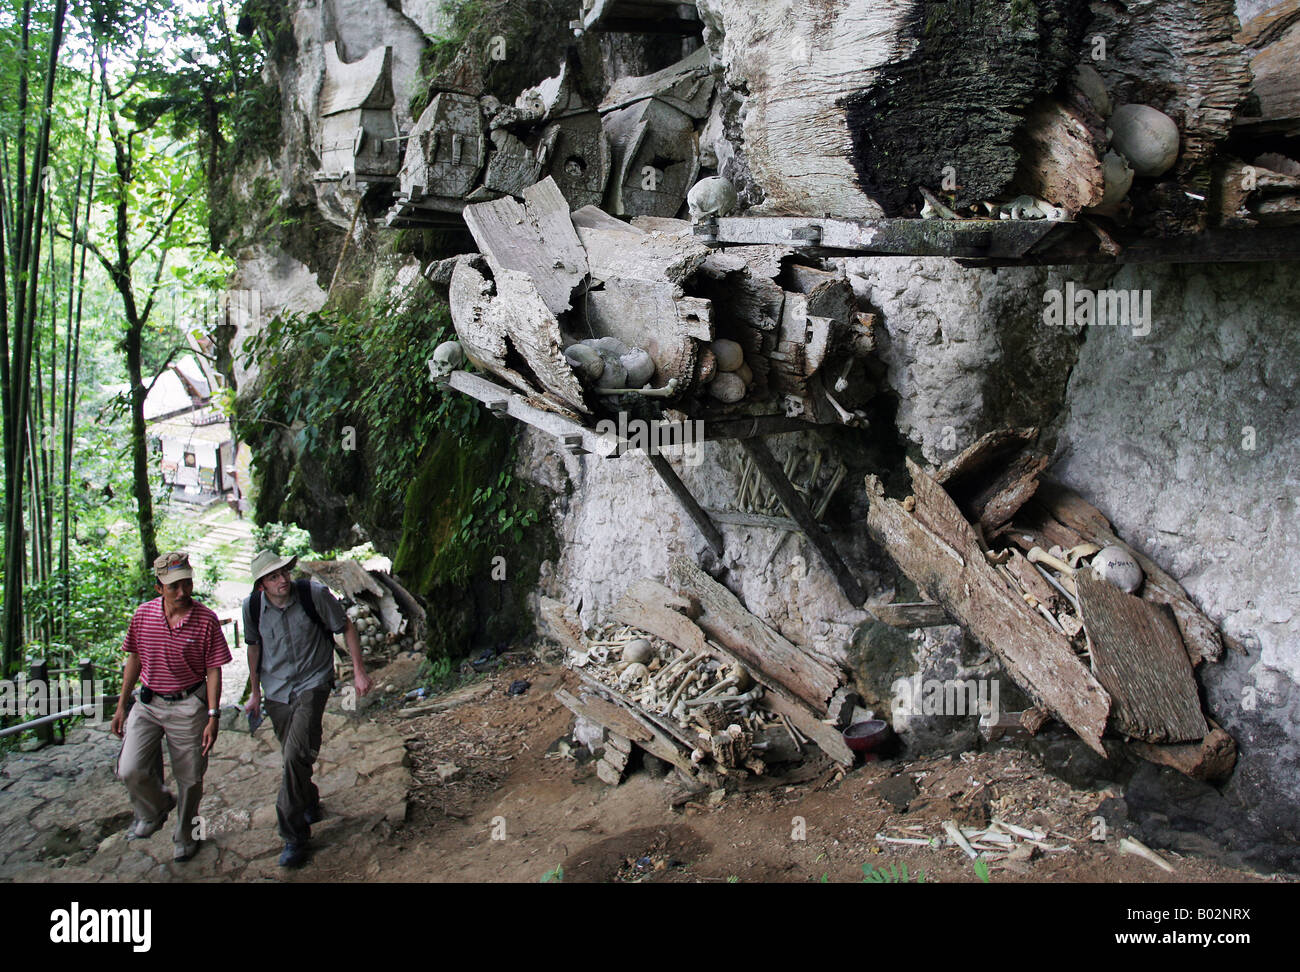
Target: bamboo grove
114	117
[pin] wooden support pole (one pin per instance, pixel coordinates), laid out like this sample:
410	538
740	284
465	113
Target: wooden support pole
798	510
689	503
40	675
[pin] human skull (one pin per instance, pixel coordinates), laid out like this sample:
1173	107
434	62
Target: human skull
714	196
1148	139
447	357
1119	567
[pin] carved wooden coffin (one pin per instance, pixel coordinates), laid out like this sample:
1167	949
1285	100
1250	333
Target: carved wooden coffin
446	149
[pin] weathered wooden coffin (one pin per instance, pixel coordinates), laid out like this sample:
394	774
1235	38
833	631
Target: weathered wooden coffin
358	131
446	149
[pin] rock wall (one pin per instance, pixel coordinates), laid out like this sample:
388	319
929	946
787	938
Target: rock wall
1188	437
1189	440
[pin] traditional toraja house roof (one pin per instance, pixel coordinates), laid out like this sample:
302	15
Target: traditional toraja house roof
367	83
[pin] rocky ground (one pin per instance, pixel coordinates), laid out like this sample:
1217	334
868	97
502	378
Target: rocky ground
63	815
488	789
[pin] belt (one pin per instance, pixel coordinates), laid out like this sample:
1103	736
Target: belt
177	696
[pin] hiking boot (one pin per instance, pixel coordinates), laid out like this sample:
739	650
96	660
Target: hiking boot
140	829
185	851
293	855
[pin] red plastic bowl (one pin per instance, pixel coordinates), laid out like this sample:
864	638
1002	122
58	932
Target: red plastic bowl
868	736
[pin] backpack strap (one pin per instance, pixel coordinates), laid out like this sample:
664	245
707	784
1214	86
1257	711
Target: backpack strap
303	585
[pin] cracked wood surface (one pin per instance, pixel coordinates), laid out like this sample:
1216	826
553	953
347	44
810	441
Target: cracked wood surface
939	551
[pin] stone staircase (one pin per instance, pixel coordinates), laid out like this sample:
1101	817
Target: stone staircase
228	538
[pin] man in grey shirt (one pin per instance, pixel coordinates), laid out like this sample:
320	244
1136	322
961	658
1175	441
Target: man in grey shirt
291	659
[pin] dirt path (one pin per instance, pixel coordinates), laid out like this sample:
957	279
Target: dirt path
63	815
518	813
472	794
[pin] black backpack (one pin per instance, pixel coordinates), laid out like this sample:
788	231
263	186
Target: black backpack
303	586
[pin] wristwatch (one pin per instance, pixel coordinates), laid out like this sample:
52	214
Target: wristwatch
214	713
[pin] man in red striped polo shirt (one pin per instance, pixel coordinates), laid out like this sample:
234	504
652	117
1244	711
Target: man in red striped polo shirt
176	648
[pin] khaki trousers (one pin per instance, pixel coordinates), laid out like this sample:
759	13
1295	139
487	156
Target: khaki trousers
298	727
140	764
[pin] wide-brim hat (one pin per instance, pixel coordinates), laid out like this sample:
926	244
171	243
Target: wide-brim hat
171	567
268	562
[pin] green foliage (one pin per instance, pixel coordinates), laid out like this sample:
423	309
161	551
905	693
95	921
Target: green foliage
981	868
897	874
555	876
285	540
419	449
435	671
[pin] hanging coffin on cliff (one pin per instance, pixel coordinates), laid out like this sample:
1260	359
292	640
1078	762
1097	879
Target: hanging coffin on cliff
358	131
574	151
656	158
686	86
446	149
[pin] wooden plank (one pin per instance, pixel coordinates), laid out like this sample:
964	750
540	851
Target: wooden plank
659	743
1139	659
519	311
752	426
798	511
918	614
619	743
659	724
644	607
608	773
772	660
536	238
686	85
999	501
1200	635
560	426
561	626
654	257
595	218
688	502
990	449
1273	36
949	565
609	715
1002	239
1211	759
828	739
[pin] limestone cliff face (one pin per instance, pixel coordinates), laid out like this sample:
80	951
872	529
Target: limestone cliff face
1187	437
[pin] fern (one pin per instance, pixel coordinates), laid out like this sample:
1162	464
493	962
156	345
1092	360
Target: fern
895	875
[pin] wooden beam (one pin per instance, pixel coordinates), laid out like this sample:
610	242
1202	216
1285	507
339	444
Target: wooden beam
918	614
772	659
560	426
939	551
798	510
1067	508
891	237
748	428
646	605
688	502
